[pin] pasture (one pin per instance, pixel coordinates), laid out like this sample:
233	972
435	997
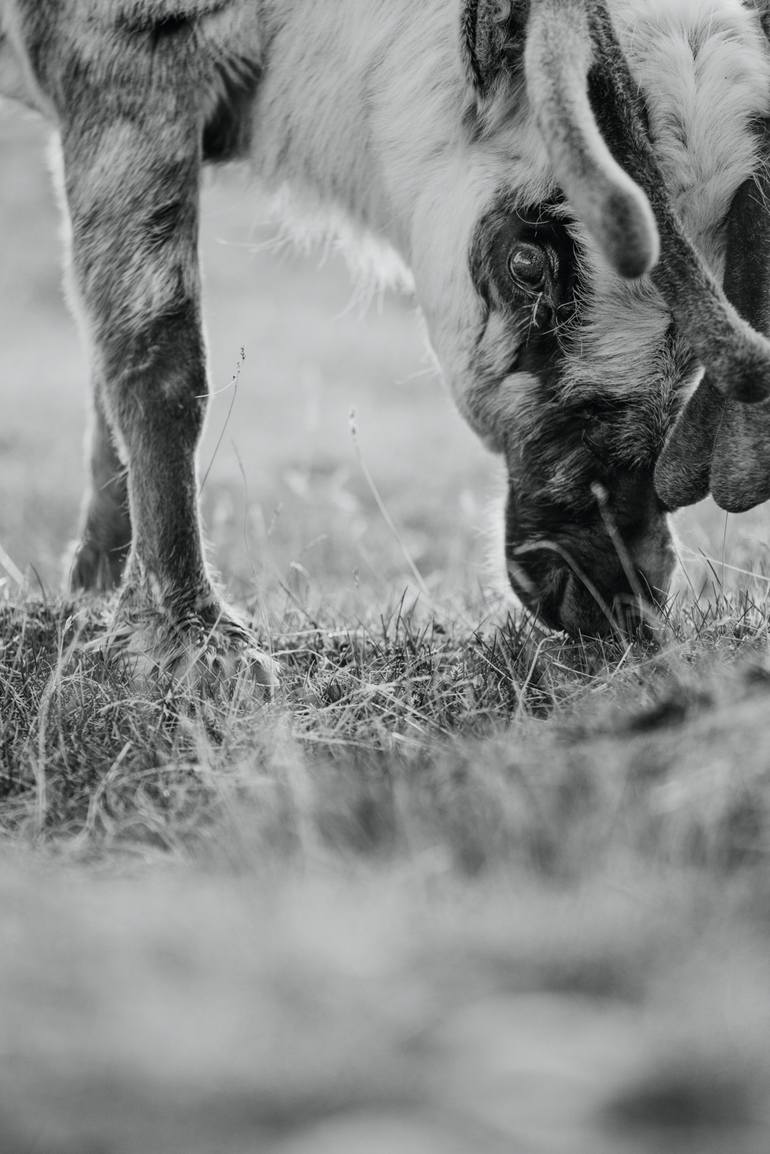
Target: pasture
463	886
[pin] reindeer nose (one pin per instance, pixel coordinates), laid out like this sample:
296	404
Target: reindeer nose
598	592
625	593
590	612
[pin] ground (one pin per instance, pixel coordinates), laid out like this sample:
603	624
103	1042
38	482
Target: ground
462	887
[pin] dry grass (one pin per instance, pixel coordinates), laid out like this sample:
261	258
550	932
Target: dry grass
495	746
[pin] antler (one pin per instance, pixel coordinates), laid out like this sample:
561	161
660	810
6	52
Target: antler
718	444
560	55
576	38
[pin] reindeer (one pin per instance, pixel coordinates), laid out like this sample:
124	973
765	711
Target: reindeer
571	182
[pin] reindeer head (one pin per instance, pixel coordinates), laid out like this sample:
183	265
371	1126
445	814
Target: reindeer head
613	164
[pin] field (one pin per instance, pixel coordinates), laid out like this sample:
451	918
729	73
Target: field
463	887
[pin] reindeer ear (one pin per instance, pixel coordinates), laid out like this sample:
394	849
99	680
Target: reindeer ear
493	33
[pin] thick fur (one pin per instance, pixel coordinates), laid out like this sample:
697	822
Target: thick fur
375	111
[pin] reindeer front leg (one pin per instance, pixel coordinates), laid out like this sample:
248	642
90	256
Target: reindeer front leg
131	172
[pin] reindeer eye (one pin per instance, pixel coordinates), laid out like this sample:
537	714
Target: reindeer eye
528	266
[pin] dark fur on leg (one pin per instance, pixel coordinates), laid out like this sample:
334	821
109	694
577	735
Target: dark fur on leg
131	143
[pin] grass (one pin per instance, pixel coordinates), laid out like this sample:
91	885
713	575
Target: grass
455	890
497	746
463	887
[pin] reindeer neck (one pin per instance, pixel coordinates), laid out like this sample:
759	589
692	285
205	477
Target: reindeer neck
357	102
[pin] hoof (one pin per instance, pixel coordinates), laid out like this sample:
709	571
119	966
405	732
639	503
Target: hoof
206	656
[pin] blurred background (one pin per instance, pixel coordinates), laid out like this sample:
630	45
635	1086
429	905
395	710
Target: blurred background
295	349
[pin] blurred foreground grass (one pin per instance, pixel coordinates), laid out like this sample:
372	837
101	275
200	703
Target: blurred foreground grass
462	888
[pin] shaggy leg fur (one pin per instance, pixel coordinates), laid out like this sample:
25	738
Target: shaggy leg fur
131	150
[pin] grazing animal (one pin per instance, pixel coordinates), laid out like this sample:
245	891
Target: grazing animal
570	182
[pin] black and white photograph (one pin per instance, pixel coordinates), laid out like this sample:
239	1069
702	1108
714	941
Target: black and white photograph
385	576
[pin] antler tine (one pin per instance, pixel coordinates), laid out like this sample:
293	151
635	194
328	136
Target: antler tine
737	357
560	55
